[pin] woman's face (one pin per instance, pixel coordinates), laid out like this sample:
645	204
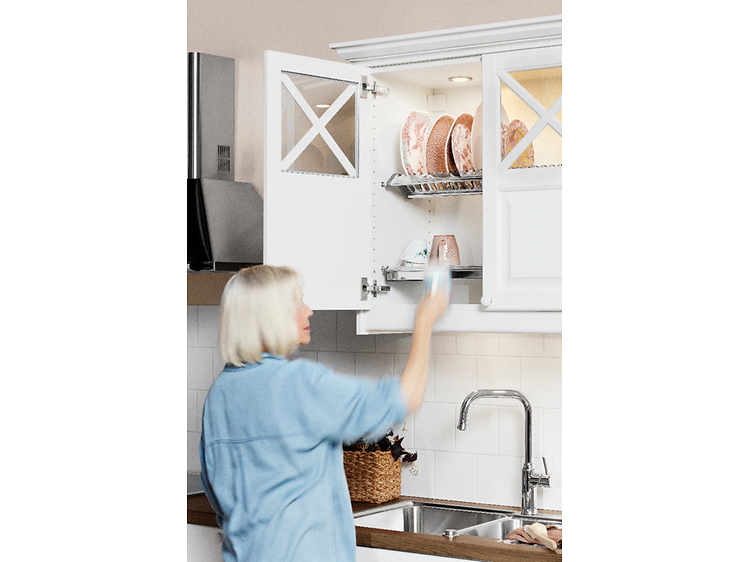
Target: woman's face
303	322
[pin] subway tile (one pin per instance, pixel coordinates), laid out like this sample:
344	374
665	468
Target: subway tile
434	427
192	411
393	343
422	484
541	381
455	377
499	480
339	362
322	331
192	326
208	326
456	476
477	344
346	334
499	372
218	363
481	433
553	345
521	345
406	430
199	368
552	433
301	353
443	344
193	454
200	401
373	364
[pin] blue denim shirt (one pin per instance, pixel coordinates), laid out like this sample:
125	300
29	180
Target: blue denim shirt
272	462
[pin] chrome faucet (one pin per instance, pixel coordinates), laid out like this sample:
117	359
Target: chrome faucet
530	480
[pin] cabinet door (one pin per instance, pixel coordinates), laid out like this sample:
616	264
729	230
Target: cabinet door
318	173
522	206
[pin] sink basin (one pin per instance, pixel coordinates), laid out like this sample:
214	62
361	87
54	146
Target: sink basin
499	528
434	518
429	518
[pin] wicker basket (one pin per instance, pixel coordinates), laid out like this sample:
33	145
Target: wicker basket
373	477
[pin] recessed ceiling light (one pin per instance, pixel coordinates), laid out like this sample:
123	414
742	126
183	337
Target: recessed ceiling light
460	78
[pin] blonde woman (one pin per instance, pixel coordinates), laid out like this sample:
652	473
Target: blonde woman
271	446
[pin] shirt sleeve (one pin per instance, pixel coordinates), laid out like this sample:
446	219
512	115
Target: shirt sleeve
344	408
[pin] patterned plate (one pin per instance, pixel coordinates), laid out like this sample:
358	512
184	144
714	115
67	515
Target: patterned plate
435	150
461	143
414	135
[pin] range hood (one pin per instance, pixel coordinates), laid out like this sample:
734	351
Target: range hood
224	217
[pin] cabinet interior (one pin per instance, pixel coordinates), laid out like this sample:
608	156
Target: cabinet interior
397	220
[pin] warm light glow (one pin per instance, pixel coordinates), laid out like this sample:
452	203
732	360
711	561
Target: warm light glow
460	78
322	105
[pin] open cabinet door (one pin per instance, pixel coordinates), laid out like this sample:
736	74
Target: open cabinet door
318	175
522	180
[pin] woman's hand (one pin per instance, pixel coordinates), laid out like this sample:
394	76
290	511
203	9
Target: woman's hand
432	307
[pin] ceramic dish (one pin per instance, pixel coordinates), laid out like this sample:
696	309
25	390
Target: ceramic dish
435	148
476	134
476	138
515	132
414	135
461	143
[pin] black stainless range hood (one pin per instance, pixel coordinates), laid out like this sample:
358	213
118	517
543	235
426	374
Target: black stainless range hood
224	217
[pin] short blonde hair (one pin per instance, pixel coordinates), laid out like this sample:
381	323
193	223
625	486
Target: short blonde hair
259	313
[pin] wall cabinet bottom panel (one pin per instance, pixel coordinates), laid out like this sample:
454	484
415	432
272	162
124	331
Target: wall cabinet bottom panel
459	318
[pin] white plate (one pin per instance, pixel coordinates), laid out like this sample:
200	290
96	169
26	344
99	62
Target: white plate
476	134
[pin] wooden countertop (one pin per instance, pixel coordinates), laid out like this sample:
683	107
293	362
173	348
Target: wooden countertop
200	512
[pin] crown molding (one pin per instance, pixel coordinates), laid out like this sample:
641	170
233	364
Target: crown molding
457	43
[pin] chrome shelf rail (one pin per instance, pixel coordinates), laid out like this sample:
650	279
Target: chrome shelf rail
436	186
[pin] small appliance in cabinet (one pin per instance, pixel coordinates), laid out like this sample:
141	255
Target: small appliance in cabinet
341	204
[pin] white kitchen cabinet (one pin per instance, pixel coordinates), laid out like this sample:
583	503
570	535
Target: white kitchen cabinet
204	543
334	209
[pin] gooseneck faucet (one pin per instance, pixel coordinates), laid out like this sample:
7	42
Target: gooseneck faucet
530	480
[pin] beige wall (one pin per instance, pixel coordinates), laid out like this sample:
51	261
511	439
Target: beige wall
243	29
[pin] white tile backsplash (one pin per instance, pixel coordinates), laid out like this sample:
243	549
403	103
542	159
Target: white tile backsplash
482	463
208	326
373	364
434	427
481	433
521	345
456	476
455	377
322	331
477	344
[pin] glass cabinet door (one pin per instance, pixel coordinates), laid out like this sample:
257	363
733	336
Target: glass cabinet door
317	196
522	180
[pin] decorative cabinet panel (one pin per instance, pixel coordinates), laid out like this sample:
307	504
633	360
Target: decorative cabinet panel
340	208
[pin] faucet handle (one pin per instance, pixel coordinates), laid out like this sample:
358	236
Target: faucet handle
540	480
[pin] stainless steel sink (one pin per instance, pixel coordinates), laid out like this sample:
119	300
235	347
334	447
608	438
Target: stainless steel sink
499	528
429	518
435	518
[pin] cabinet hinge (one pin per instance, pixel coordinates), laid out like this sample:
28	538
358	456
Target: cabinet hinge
372	87
372	288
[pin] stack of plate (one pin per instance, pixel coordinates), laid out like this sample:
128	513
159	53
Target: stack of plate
454	146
